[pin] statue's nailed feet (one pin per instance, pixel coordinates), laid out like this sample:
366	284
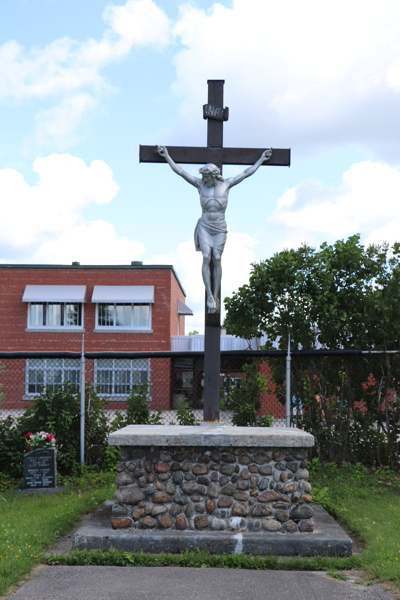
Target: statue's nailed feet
211	304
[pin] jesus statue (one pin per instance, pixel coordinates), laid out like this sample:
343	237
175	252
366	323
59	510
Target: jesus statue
210	233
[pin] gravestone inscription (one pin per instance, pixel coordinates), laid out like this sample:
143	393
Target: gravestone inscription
40	468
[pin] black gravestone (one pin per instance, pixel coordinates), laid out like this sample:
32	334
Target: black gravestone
40	468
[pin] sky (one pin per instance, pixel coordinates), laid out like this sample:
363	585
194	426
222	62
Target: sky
82	84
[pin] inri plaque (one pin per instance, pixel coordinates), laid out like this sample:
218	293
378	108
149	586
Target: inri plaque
40	468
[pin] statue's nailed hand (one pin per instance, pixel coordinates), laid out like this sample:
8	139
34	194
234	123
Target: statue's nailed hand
162	151
266	155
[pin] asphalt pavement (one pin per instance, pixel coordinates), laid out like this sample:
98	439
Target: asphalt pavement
177	583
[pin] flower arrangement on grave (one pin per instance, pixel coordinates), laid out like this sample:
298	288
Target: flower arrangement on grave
40	439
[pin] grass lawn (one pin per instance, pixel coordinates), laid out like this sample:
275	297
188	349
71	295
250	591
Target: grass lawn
29	524
367	502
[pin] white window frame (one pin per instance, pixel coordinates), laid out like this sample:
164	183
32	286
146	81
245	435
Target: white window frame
127	328
55	327
117	364
30	366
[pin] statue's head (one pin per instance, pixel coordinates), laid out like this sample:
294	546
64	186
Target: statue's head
210	173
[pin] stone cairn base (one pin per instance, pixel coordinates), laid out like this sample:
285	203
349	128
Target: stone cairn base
213	488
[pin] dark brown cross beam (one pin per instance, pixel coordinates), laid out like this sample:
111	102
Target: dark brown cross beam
215	153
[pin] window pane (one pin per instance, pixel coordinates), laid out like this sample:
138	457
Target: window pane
123	315
145	315
105	363
71	315
104	382
36	319
54	315
72	363
54	363
53	379
141	315
106	315
35	381
72	377
122	382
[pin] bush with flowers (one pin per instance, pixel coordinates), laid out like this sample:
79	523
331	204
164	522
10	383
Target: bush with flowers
40	439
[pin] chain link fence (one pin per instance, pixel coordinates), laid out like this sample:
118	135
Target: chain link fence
169	379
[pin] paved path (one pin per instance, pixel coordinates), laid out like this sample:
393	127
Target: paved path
177	583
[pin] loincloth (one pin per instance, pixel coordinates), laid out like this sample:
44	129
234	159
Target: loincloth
213	234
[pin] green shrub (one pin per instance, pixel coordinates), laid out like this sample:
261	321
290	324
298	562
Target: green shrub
138	411
11	447
185	413
245	401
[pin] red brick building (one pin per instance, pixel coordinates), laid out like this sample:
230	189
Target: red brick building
117	308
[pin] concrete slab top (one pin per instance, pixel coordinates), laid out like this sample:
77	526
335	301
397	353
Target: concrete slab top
212	435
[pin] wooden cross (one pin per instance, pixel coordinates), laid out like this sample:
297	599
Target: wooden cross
215	153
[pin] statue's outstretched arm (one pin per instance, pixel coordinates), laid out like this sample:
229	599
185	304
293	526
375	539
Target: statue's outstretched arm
266	155
162	151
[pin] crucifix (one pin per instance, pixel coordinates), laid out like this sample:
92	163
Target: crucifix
210	233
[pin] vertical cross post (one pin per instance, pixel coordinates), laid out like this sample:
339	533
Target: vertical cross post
212	330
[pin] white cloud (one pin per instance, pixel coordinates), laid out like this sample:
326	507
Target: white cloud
53	205
238	255
95	243
297	73
367	202
72	70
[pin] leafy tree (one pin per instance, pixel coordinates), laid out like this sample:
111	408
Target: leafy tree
343	296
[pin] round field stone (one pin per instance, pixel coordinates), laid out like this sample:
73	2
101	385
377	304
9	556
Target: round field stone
261	458
175	510
227	469
301	511
268	497
189	477
302	474
165	521
293	466
137	513
279	487
281	466
305	497
175	466
307	525
289	527
240	510
228	458
254	525
181	522
129	495
214	476
261	510
284	477
203	480
305	486
223	480
187	466
119	510
213	490
278	455
179	456
165	456
177	477
224	502
204	459
276	475
265	469
158	510
229	489
241	496
151	478
120	467
124	479
254	479
180	499
201	521
282	515
121	522
211	505
244	474
235	478
170	488
160	498
200	469
243	485
148	523
189	487
300	454
189	510
148	466
159	486
218	524
289	487
161	467
199	508
271	525
245	459
253	468
164	476
215	456
264	483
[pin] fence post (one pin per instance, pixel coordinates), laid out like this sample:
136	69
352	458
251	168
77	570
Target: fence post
288	382
82	437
